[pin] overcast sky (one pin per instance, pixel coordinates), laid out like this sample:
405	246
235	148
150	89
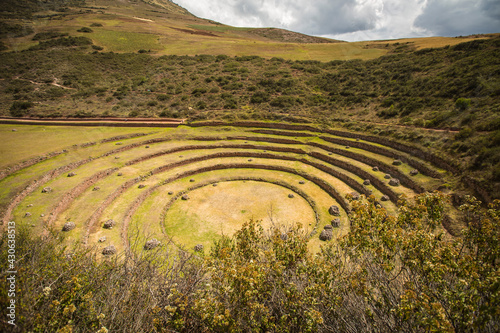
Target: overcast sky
355	20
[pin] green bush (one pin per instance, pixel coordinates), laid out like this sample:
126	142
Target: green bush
162	97
259	97
283	101
465	132
388	113
62	42
462	103
20	108
85	29
388	274
49	35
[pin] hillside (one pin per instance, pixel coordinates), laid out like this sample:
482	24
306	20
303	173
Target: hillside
163	28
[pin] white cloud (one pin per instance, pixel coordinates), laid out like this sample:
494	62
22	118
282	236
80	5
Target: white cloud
356	19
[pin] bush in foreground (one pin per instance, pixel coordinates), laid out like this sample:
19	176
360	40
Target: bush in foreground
388	274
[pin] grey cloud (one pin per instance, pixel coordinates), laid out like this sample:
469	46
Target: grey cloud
491	8
356	19
459	17
336	17
311	17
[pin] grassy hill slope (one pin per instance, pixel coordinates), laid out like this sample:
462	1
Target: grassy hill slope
163	28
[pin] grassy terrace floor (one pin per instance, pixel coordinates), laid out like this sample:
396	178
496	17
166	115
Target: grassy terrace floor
136	177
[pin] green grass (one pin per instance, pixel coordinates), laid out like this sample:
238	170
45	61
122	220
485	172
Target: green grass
124	41
32	141
148	216
218	28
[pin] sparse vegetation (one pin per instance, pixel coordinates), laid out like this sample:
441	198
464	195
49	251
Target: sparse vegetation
388	273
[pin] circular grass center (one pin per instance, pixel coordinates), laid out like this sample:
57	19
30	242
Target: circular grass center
212	211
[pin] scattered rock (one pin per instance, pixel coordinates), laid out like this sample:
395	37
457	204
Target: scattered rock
117	157
30	205
328	227
191	180
97	188
102	239
42	215
28	214
336	223
334	210
414	172
330	153
170	192
181	156
14	130
367	182
146	147
142	186
215	184
250	160
326	235
384	198
394	182
397	162
347	147
119	174
119	143
387	176
291	196
354	195
47	190
109	224
109	250
151	244
302	182
71	174
198	247
68	226
375	168
185	197
65	151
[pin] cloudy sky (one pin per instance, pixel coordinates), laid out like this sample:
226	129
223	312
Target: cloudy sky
355	20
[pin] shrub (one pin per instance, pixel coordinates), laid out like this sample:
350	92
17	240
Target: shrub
388	274
259	97
85	29
462	103
162	97
388	113
20	108
465	132
201	105
62	42
283	101
49	35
